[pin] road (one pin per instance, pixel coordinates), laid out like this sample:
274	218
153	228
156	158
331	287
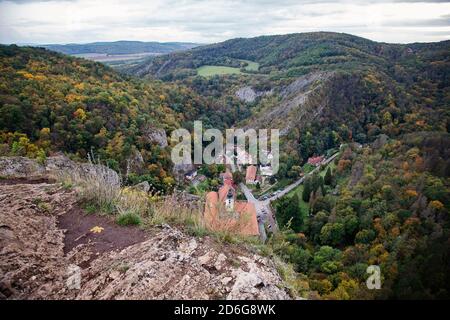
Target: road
263	208
294	185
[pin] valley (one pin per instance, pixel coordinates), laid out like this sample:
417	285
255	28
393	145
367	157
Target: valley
364	162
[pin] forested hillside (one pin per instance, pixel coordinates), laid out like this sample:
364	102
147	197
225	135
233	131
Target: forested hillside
384	201
386	198
50	102
120	47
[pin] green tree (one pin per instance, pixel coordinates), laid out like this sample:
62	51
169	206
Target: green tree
328	177
332	234
288	210
306	190
238	177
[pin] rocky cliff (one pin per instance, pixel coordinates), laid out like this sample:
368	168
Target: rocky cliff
48	243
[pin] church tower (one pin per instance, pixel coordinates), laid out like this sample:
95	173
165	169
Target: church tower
229	201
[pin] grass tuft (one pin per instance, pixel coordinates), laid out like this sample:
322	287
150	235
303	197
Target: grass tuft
128	219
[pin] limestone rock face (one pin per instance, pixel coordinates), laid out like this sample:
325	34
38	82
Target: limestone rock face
248	94
156	135
172	265
179	170
21	167
142	186
136	162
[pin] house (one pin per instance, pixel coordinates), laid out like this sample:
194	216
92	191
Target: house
191	175
224	213
198	179
227	177
265	170
250	175
315	161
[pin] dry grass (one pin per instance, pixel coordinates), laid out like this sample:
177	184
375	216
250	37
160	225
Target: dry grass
96	190
102	194
93	189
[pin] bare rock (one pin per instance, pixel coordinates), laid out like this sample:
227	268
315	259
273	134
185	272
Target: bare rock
165	264
142	186
248	94
135	162
156	135
21	167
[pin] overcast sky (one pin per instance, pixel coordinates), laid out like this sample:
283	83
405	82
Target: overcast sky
207	21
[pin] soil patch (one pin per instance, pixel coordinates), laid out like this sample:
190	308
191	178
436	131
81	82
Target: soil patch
13	181
112	237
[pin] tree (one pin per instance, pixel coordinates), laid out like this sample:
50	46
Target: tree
306	190
328	177
327	259
332	234
288	210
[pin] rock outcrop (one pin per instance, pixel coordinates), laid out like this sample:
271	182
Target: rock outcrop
37	262
21	167
155	135
248	94
300	102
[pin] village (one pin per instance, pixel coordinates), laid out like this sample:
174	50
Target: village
238	197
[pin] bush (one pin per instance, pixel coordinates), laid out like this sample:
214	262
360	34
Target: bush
128	218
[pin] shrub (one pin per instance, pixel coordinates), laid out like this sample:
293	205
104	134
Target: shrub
128	218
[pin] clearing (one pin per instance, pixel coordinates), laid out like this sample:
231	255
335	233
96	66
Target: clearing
209	71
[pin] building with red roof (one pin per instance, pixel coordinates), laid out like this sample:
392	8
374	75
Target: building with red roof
250	175
224	213
315	161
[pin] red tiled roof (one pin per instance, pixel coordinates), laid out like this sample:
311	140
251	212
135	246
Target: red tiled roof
246	222
250	175
315	160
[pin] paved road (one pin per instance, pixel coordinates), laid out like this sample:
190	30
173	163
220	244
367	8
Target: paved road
294	185
263	208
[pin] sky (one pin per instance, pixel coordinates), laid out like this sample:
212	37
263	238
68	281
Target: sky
208	21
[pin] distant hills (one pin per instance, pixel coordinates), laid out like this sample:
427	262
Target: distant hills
121	47
119	52
288	56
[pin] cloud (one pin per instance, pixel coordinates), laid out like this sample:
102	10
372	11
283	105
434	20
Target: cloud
63	21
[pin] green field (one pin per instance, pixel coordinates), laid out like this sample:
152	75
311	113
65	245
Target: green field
252	66
208	71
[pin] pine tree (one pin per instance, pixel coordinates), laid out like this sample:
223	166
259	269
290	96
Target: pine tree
328	177
306	190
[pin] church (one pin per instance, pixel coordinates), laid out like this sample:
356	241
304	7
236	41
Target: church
223	212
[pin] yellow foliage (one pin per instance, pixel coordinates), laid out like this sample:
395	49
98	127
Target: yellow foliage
436	204
169	181
27	75
79	86
80	114
411	193
40	77
44	132
97	229
71	97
